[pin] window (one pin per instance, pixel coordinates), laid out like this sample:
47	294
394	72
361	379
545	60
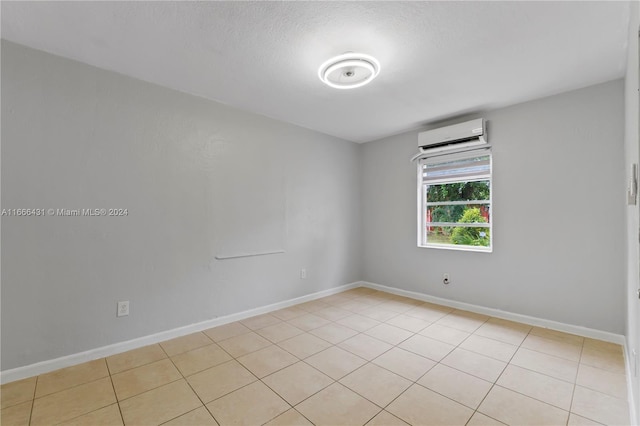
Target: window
454	201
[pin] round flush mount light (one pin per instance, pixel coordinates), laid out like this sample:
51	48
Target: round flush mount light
349	70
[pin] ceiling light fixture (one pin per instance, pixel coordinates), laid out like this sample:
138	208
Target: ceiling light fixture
349	70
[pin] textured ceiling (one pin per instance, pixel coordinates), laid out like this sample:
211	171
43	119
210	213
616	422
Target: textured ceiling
438	59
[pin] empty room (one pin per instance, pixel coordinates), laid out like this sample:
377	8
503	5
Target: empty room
319	213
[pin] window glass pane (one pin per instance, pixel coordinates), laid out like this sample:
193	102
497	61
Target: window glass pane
458	236
456	212
459	191
438	234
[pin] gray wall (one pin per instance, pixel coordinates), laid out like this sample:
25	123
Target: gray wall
558	210
632	142
74	136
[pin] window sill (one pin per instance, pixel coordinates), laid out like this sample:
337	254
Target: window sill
457	248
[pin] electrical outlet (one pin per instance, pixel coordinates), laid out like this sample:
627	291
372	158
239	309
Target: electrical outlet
445	278
123	309
303	273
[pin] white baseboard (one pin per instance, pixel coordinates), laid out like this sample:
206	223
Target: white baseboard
104	351
116	348
539	322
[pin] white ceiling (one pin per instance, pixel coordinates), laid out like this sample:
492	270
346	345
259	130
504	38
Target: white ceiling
438	59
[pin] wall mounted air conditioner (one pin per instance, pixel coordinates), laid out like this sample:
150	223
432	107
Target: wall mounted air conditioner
458	137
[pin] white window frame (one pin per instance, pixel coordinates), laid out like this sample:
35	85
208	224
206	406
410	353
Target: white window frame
422	202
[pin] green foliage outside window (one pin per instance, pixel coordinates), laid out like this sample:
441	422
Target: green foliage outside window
460	191
471	236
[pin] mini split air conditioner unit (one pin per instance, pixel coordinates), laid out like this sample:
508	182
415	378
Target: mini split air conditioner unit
458	137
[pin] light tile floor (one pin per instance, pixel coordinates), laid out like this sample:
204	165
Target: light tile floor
354	358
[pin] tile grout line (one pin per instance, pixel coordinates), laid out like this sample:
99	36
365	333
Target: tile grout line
33	400
573	383
576	385
396	346
415	382
187	412
187	382
243	366
110	375
337	381
573	392
551	355
458	346
114	391
524	368
164	384
495	383
137	366
292	407
150	389
370	362
69	388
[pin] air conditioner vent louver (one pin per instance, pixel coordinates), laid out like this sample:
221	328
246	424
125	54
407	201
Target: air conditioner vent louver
458	137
